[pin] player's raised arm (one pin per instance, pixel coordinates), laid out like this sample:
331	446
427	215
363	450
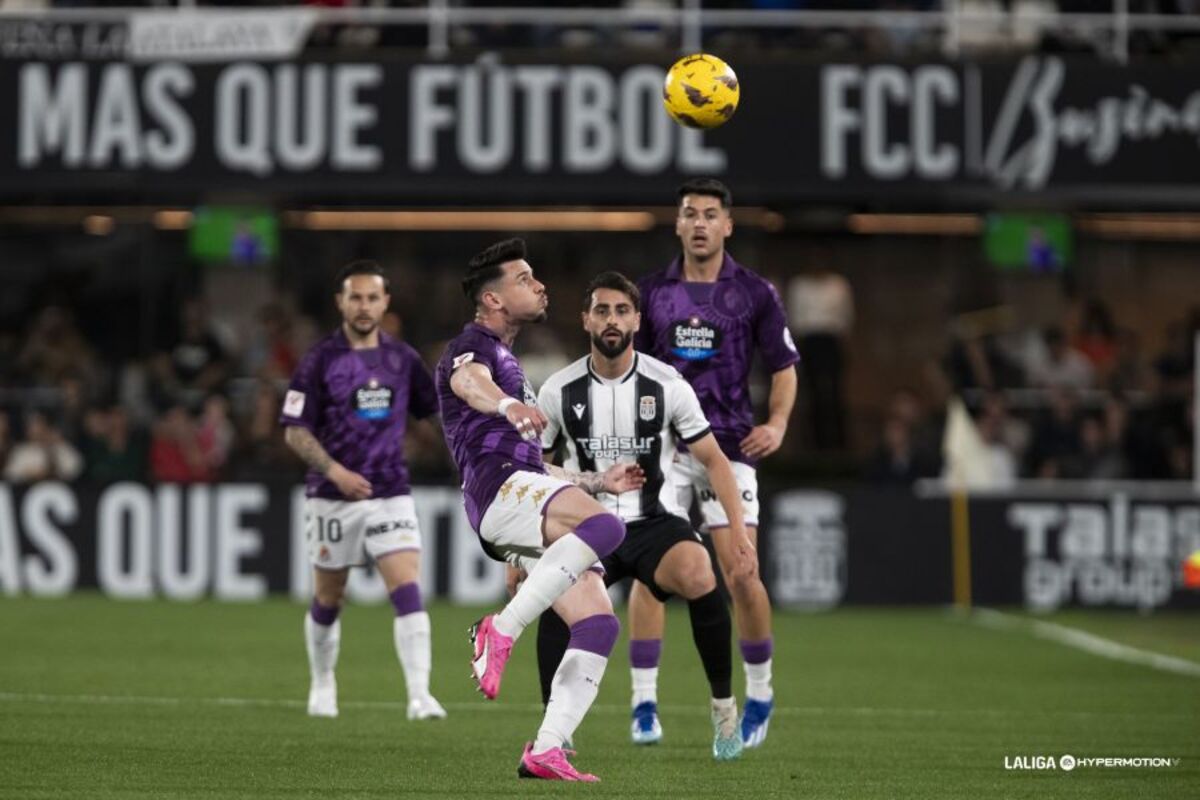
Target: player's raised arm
473	384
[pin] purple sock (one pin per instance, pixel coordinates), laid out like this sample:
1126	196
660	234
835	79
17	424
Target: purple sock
603	533
595	634
406	599
644	653
756	652
323	615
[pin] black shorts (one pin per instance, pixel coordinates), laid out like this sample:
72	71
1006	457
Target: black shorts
646	542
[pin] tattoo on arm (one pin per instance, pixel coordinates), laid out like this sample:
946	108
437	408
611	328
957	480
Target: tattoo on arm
305	445
590	482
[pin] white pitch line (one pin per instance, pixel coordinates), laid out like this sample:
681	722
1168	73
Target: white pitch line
600	708
1087	642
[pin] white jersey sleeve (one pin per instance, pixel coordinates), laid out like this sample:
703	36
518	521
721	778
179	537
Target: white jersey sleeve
550	403
686	416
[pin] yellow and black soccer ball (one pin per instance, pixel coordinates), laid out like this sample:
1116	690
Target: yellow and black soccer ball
701	91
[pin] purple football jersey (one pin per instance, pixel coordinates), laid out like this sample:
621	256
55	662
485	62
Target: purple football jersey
357	402
709	331
486	447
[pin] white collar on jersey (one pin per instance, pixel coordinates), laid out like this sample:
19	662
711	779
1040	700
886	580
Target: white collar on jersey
613	381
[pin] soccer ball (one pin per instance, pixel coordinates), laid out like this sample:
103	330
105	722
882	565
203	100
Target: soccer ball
701	91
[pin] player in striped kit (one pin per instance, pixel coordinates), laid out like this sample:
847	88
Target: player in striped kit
618	406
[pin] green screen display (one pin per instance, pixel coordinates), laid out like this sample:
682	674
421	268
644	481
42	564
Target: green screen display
1039	243
232	235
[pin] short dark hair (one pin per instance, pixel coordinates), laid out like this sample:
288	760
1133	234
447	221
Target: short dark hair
486	266
618	283
361	266
710	187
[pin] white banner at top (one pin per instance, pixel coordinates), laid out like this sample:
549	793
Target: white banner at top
219	35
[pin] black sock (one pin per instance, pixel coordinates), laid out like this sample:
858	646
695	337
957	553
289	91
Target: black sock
712	629
552	638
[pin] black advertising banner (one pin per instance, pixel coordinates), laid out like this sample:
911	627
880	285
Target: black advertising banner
497	131
820	548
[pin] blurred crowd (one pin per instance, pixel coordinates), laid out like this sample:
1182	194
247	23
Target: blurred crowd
203	409
1080	400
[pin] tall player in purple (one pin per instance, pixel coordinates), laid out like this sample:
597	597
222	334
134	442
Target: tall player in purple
345	414
538	519
705	315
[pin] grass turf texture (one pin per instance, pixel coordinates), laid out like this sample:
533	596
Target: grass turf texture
104	699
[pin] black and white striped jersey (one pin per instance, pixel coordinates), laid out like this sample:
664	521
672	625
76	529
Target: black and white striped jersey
640	417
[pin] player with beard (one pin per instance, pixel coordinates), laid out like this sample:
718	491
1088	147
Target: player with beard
538	519
706	315
346	413
616	406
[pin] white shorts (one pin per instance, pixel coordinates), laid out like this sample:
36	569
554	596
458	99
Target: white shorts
343	533
690	480
512	525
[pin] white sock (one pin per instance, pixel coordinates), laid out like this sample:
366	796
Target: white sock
571	695
758	681
322	643
411	635
722	702
645	685
557	570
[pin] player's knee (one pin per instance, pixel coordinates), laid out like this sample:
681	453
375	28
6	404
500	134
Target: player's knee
602	532
745	587
597	634
330	597
697	581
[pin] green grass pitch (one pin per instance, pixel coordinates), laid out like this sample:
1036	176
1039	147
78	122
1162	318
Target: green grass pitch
106	699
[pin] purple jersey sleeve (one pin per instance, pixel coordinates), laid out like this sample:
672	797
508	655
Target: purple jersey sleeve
771	334
302	403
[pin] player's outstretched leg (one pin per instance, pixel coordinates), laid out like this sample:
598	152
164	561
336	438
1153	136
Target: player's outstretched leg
646	623
322	640
593	632
752	609
580	533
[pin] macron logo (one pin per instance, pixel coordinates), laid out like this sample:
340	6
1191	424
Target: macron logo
579	408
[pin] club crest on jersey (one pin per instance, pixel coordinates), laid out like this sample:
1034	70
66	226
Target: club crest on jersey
695	339
648	408
373	401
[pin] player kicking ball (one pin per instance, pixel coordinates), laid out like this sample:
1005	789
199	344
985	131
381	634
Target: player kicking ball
346	413
542	520
617	406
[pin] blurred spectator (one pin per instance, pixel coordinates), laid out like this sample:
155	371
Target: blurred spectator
176	454
898	459
993	423
54	349
43	455
273	352
215	432
111	450
1097	338
1099	456
542	354
262	452
1130	373
1064	367
1055	436
196	365
1175	363
821	314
